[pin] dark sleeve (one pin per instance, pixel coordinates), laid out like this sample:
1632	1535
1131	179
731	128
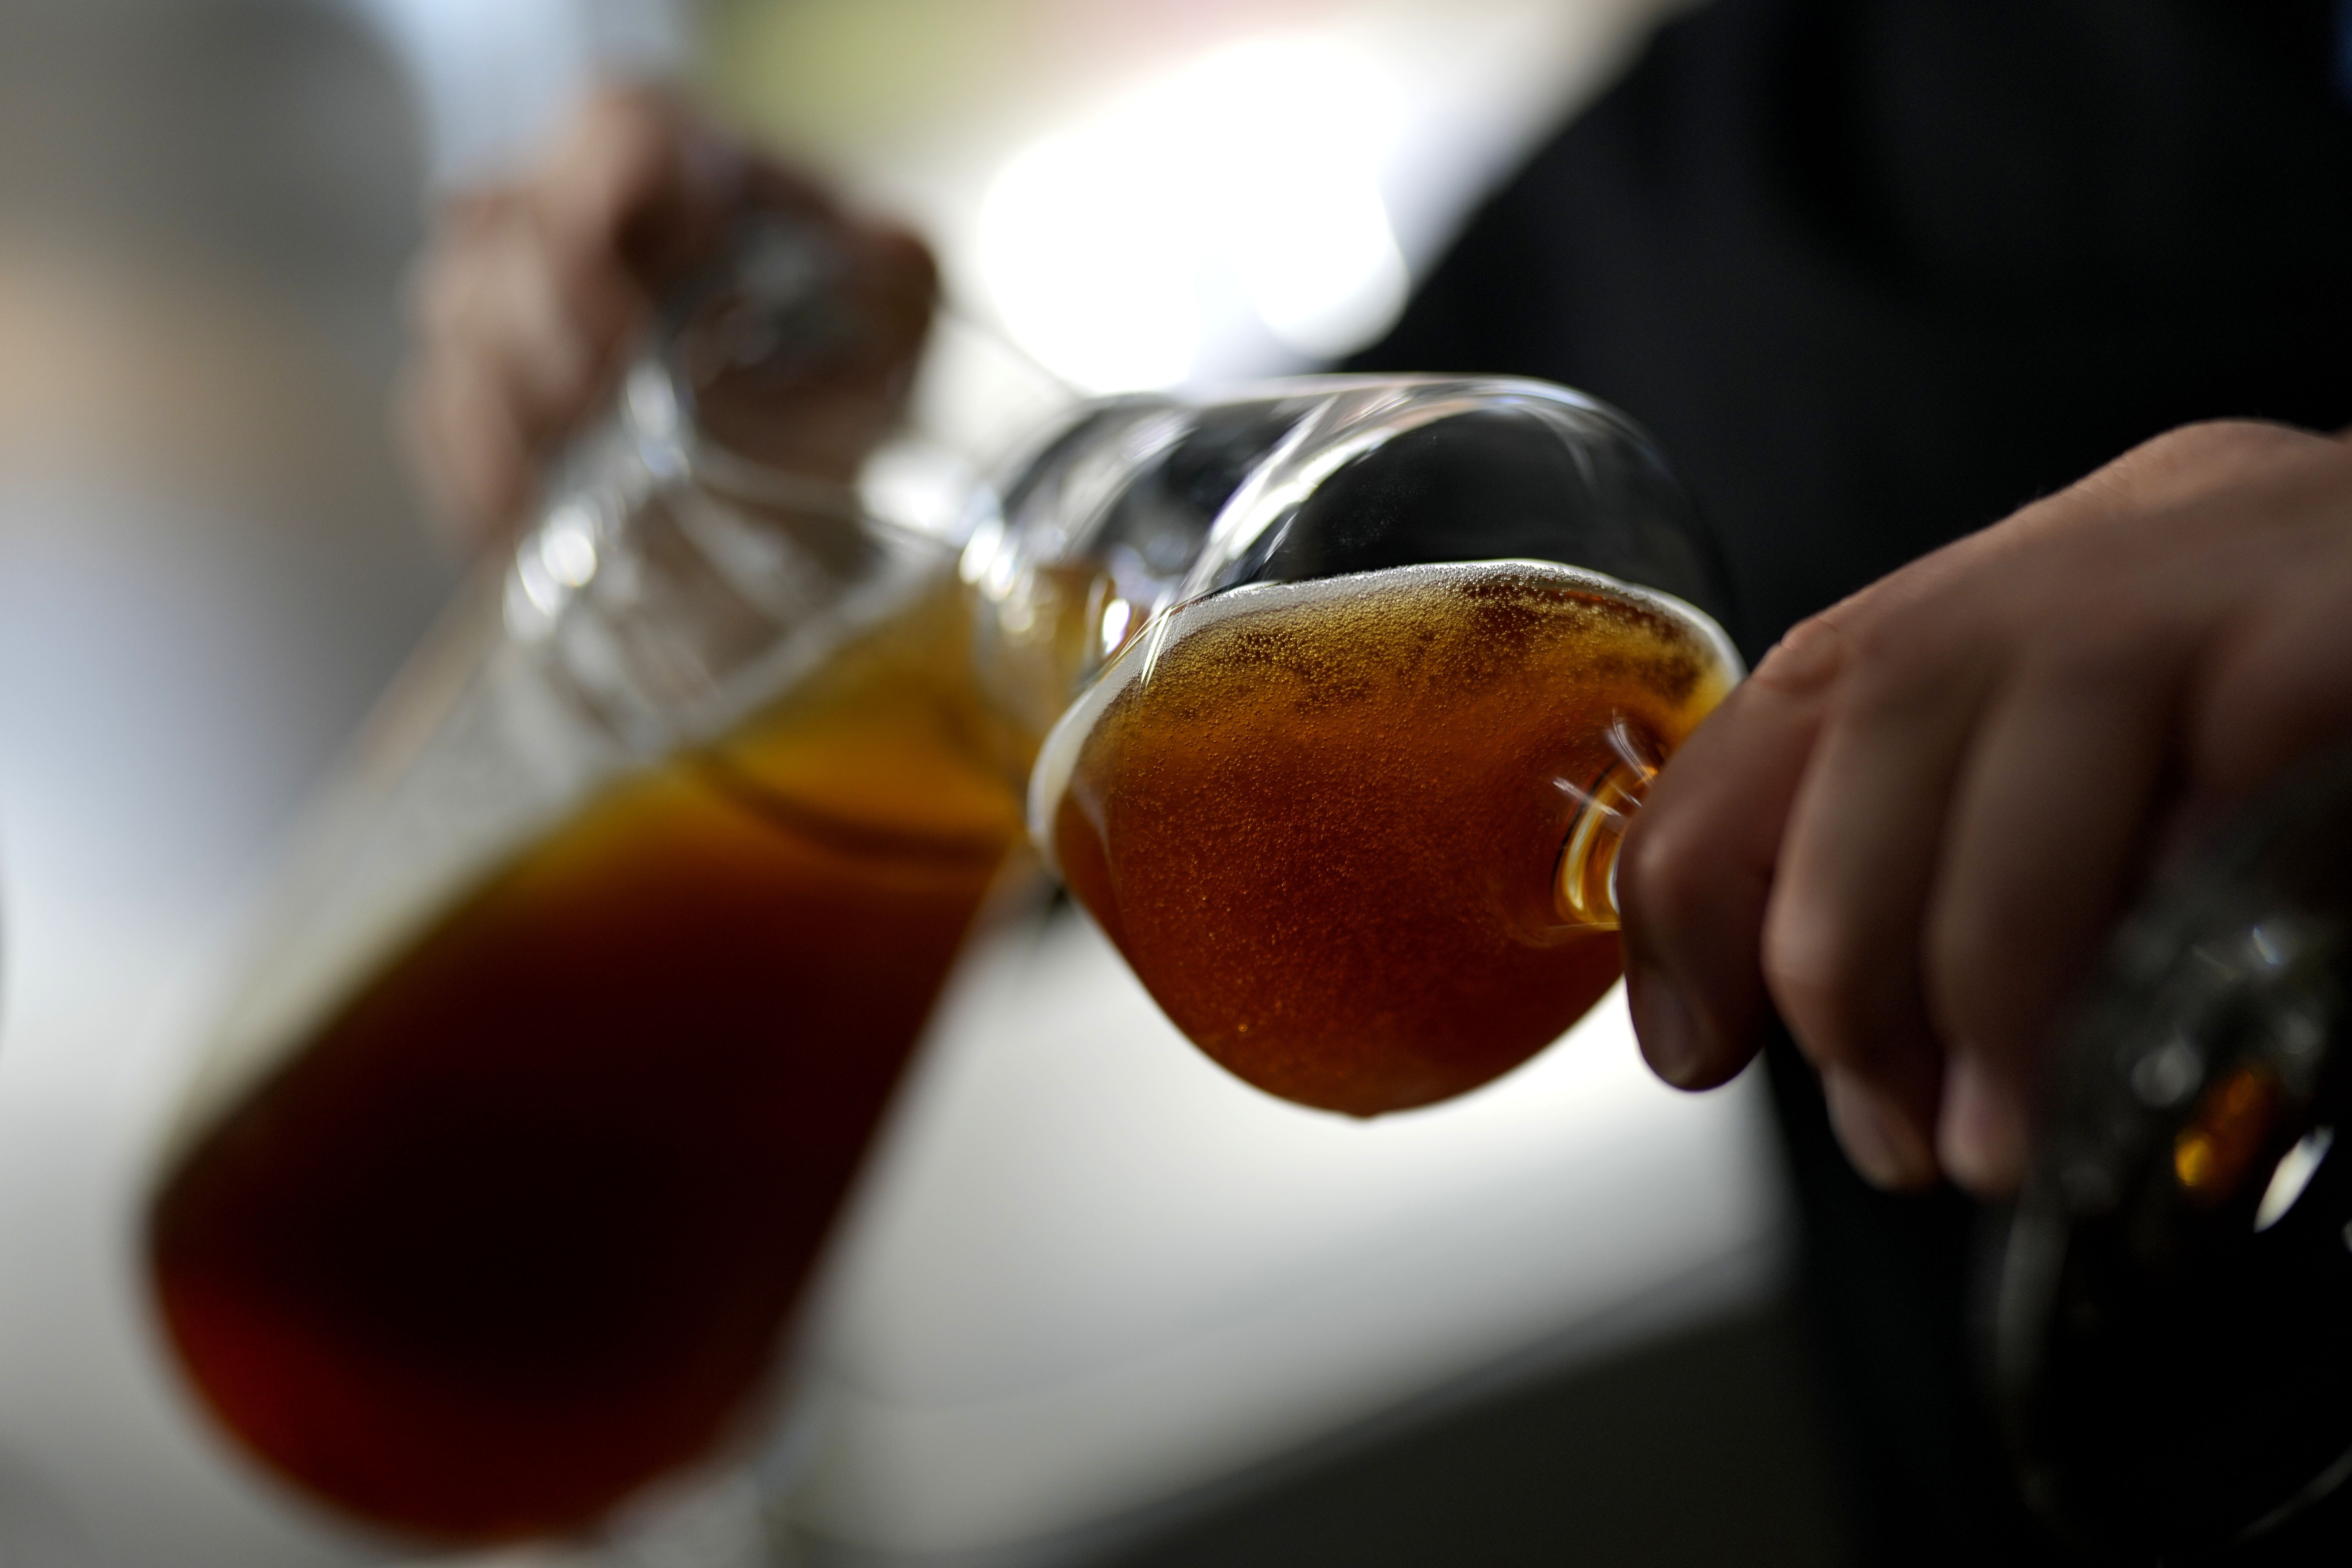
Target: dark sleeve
1878	272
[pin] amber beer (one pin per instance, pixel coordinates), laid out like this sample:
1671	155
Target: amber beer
1325	821
517	1225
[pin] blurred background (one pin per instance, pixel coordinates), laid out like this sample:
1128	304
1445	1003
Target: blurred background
1099	1303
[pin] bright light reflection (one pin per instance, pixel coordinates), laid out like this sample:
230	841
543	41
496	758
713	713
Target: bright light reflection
2293	1174
1257	165
1088	264
567	546
1116	617
1308	233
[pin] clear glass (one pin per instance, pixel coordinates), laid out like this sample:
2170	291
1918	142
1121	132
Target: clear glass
1375	673
504	1166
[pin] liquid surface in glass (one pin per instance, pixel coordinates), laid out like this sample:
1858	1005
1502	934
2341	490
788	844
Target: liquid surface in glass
1323	825
519	1227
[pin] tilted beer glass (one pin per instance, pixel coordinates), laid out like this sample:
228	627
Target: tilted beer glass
1380	668
506	1163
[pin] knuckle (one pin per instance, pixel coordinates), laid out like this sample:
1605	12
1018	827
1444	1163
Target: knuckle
2191	459
1806	659
1885	647
1918	658
2208	439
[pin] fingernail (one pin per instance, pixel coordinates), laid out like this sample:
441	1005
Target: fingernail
1982	1132
1662	1023
1878	1138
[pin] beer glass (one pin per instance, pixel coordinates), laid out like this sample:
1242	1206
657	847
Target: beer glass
2170	1296
1376	671
506	1162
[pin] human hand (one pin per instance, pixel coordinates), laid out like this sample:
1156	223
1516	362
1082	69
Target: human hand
531	296
1916	823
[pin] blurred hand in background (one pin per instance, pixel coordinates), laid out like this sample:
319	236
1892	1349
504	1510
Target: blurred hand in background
533	295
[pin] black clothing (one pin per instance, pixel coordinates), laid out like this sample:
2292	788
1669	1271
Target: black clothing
1876	274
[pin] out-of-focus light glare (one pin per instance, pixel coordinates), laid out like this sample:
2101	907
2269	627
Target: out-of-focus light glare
2293	1176
1299	131
1083	252
567	546
1116	618
1325	276
1259	163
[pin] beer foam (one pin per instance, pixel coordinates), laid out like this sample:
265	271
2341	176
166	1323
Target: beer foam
1351	594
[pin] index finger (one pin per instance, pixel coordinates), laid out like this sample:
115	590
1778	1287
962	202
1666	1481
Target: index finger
1698	863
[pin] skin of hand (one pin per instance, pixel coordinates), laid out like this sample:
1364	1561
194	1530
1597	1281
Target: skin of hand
1914	825
531	296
